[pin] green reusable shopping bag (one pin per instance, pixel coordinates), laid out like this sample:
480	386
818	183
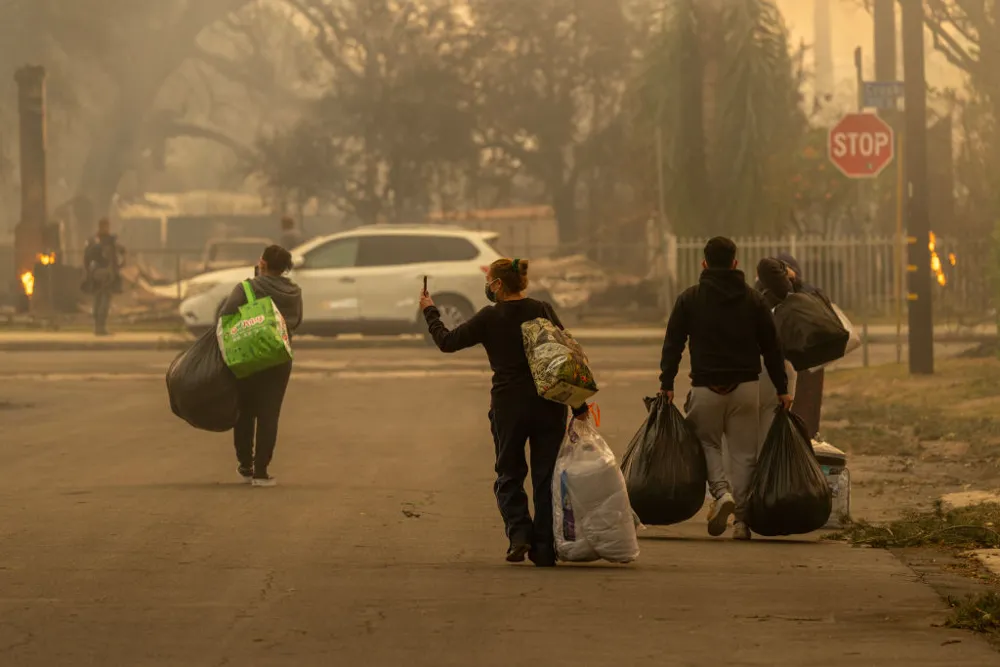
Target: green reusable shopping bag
255	339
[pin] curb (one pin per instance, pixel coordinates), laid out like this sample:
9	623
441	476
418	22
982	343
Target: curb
412	342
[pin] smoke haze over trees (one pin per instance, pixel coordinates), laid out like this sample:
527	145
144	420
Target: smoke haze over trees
391	110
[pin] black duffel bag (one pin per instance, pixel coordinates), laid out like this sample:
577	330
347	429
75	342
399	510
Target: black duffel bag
664	467
201	387
788	493
810	332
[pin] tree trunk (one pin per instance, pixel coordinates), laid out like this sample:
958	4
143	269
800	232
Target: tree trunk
564	206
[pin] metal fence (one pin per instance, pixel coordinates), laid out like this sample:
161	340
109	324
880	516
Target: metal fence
863	274
156	267
866	275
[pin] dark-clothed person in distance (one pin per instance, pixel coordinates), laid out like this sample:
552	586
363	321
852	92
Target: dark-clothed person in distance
103	260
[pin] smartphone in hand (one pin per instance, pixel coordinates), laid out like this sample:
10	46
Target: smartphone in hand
425	286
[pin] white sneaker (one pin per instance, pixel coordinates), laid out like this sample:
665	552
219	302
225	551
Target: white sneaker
718	515
265	481
246	474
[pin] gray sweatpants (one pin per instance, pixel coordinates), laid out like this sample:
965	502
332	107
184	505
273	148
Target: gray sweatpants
732	416
769	400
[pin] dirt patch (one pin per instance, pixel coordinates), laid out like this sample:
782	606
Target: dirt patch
912	439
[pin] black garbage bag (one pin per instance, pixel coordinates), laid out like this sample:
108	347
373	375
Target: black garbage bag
201	387
810	331
664	467
788	493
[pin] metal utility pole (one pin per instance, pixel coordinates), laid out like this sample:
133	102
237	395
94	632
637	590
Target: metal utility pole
921	316
890	213
29	235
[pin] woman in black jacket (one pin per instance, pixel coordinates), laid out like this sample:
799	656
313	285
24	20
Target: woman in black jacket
518	415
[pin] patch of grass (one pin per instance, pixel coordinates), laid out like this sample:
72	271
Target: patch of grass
884	410
978	613
965	528
987	349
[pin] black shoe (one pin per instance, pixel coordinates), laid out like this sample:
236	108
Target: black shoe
517	552
543	557
246	473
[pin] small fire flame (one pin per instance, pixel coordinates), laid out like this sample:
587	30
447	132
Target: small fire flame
28	278
28	281
936	265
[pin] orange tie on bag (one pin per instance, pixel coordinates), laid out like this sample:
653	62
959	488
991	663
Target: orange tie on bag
595	412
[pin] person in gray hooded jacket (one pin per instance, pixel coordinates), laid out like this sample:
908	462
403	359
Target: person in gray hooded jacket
262	394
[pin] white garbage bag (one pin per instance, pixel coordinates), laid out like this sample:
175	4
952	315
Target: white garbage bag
591	512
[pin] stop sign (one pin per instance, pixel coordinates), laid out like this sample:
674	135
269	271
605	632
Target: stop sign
861	145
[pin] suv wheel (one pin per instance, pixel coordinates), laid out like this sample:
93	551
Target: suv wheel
454	310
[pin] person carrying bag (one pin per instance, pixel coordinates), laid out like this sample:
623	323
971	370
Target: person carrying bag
254	335
518	414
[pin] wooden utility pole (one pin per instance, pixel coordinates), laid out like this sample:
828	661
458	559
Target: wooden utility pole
918	228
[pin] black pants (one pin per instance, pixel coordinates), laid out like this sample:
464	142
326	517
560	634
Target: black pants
543	424
102	307
261	396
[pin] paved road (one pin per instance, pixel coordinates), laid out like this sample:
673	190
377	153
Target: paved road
126	541
614	359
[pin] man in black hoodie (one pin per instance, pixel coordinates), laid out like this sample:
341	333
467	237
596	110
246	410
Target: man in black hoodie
262	394
730	328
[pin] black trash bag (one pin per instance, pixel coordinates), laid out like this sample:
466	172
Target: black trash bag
788	493
810	332
201	387
664	467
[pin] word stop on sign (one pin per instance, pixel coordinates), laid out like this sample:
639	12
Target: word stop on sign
861	144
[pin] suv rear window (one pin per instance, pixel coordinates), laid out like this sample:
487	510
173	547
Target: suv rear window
400	249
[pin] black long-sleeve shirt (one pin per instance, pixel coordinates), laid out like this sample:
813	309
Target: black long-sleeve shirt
498	329
729	328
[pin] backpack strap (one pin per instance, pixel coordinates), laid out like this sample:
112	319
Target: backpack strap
248	290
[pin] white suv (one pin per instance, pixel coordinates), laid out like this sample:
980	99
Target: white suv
368	280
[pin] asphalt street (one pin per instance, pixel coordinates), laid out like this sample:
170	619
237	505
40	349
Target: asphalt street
126	539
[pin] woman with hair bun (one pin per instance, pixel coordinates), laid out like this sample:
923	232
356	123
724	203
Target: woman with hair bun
518	415
262	394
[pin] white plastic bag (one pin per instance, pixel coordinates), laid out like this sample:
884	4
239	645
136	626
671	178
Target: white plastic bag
591	512
854	342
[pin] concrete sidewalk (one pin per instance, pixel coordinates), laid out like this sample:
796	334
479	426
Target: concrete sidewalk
41	341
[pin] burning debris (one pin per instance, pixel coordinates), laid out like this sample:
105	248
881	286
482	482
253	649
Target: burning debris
28	277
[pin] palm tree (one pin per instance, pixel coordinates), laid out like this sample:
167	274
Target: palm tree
721	84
